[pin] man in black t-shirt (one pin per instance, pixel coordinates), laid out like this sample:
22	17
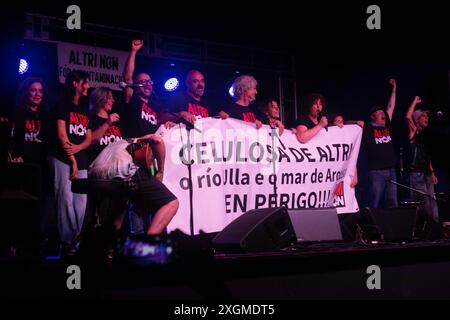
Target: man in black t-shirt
191	105
380	153
141	113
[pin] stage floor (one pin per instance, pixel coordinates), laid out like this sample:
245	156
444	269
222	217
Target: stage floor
419	270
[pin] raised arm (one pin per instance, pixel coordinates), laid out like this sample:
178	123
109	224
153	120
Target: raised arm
391	104
409	117
129	68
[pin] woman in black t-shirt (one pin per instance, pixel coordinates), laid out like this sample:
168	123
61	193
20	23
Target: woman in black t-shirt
69	157
28	141
270	114
313	121
244	88
105	125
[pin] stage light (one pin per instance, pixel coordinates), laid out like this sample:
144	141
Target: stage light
23	66
172	64
231	91
171	84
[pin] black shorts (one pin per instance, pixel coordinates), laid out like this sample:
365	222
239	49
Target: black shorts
147	192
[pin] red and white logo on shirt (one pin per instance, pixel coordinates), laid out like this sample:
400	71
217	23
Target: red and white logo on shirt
382	136
149	115
198	110
111	135
32	130
249	117
78	124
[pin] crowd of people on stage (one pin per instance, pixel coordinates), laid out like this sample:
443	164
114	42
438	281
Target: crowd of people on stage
85	136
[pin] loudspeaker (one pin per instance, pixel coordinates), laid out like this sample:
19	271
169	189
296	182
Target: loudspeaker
426	227
393	224
257	231
316	224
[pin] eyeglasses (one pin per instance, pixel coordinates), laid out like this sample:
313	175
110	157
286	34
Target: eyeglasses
145	82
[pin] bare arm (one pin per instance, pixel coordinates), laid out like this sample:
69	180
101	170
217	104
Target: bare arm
61	132
65	143
391	104
357	122
159	152
409	117
433	175
100	131
129	68
87	141
304	134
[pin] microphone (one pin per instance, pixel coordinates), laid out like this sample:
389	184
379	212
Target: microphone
123	85
320	117
401	162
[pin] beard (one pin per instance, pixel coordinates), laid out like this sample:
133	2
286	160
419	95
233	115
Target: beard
199	92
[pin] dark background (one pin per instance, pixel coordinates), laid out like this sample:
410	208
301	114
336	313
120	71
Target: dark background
335	53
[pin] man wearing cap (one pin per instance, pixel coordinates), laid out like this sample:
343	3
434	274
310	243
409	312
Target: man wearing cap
421	176
381	158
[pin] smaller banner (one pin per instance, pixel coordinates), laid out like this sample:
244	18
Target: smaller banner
104	67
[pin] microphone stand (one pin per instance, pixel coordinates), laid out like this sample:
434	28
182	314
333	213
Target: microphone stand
191	188
189	127
412	189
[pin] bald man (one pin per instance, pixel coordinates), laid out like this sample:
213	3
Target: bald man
191	105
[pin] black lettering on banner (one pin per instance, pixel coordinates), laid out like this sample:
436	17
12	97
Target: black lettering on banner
184	183
299	157
200	151
316	177
259	179
252	152
308	154
238	204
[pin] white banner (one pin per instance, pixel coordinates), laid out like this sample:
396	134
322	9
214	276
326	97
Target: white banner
103	66
236	168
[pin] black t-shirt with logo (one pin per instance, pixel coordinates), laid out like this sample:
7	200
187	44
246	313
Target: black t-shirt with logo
140	118
239	112
76	118
5	132
305	121
27	135
184	102
419	155
378	146
111	135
